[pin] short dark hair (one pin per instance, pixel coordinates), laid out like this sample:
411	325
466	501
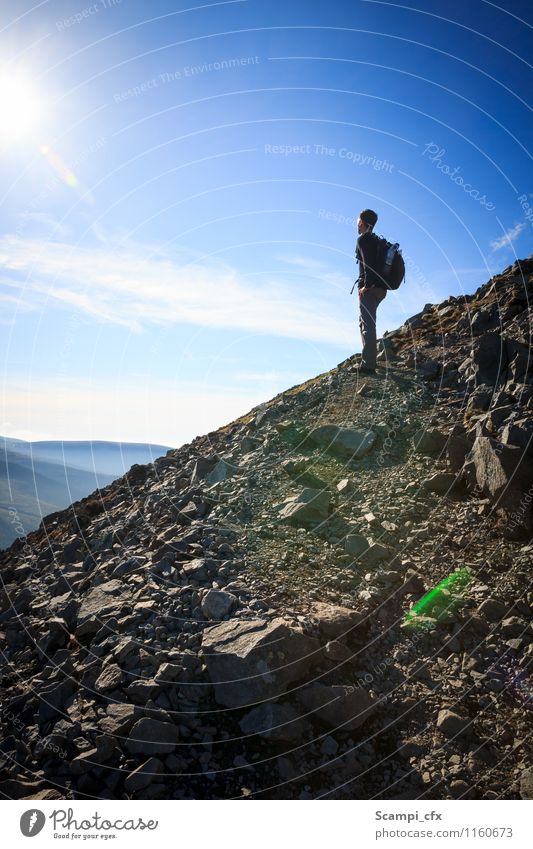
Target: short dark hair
368	216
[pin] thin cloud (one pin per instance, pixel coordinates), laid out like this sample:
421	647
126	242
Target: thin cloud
121	411
132	287
508	238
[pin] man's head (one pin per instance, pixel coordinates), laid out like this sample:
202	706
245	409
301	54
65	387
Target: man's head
366	221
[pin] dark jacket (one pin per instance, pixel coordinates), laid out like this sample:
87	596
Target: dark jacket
366	253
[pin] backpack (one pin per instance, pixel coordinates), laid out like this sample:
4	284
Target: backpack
391	262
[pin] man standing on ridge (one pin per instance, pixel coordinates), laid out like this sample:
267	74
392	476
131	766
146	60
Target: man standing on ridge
372	288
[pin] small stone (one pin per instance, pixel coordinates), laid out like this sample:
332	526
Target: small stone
492	609
151	736
452	724
526	784
216	604
329	746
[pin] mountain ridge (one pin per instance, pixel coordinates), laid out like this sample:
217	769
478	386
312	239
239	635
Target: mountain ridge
327	597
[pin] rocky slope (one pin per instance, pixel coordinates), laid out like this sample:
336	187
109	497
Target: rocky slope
328	598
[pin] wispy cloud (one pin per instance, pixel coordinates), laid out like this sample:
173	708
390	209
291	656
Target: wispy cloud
133	286
508	238
122	411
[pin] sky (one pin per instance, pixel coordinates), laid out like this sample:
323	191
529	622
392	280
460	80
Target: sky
180	183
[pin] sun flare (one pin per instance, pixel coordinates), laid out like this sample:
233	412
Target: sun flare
20	108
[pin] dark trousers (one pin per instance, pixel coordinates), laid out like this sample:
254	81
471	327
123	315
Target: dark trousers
368	304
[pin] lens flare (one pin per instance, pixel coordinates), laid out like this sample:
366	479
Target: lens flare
20	107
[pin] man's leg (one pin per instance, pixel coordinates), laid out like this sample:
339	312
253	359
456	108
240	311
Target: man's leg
369	302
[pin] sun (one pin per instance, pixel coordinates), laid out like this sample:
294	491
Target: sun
20	107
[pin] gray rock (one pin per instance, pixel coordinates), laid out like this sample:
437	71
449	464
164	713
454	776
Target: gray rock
452	724
355	544
100	603
275	722
503	473
216	604
337	706
526	784
119	719
440	482
492	609
429	441
344	442
254	660
309	508
196	570
152	737
335	622
109	678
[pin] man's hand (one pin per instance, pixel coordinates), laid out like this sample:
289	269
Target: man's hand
362	290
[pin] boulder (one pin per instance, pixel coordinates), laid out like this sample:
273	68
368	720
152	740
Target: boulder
99	604
344	442
503	473
309	508
493	609
109	678
459	444
441	482
337	706
526	783
119	719
452	724
216	604
519	433
254	660
335	622
202	467
151	737
429	441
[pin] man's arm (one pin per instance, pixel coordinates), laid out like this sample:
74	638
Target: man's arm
360	259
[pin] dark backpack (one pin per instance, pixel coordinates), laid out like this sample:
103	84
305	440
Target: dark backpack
394	272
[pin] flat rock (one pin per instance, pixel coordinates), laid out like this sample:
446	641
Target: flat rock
452	724
337	706
429	441
216	604
255	660
334	622
344	442
100	603
309	508
492	609
152	737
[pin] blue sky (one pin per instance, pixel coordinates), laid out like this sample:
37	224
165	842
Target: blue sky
177	215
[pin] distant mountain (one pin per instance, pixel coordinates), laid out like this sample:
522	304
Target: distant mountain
38	478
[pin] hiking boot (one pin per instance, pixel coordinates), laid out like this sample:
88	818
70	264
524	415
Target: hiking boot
362	369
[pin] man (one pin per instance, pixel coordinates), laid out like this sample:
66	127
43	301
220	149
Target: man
372	288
